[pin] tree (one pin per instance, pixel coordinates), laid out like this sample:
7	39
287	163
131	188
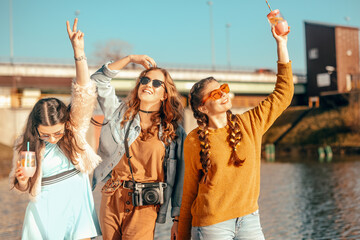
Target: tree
113	49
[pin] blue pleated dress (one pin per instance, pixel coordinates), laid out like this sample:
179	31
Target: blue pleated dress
65	208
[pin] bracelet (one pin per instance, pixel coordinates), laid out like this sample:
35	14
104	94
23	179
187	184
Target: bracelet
175	220
80	58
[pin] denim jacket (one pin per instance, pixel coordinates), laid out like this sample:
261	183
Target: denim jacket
112	149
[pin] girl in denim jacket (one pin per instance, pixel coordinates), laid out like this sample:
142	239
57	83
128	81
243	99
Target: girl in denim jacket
148	121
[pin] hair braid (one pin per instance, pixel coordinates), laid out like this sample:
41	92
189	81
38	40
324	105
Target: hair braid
204	144
234	138
195	100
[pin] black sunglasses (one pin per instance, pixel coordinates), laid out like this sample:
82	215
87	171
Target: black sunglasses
155	82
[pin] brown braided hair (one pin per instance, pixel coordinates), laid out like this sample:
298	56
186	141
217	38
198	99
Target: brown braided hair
234	138
195	100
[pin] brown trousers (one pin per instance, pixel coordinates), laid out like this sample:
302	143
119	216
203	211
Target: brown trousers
120	220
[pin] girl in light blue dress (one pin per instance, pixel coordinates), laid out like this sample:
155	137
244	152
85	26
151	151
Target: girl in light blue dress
62	205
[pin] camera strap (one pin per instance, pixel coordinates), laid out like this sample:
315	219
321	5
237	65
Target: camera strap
127	151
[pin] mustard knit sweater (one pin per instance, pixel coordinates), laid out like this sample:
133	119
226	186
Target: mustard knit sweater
230	191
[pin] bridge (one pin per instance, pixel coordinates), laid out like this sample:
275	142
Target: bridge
21	85
59	77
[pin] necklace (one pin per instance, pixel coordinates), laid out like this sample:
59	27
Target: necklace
146	111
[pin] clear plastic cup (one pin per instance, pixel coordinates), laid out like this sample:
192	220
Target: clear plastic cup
276	19
28	163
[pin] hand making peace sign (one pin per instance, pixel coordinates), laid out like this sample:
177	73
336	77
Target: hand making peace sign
77	41
76	36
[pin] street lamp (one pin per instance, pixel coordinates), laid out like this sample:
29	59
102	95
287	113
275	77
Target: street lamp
228	44
212	36
347	19
11	34
77	13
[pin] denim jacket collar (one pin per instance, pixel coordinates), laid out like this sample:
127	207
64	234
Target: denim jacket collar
136	122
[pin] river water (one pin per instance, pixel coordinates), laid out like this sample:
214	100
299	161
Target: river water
302	200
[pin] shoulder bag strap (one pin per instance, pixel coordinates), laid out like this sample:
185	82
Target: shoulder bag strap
127	150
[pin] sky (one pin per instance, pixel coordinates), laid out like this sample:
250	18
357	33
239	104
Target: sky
174	33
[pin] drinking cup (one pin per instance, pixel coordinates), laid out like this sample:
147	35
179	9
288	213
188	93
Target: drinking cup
28	163
276	19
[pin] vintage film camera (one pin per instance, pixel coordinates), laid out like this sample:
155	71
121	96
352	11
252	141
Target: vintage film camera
148	193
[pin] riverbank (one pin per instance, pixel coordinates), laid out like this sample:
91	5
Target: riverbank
316	127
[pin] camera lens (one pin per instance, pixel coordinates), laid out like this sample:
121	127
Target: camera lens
150	196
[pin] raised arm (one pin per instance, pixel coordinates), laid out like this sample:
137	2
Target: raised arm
138	59
264	115
83	95
107	98
77	41
281	42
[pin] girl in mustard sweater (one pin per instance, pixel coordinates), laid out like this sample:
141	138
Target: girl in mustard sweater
222	158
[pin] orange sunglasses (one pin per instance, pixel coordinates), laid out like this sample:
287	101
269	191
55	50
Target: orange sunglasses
217	93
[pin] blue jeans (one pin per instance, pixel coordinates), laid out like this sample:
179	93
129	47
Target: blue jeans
242	228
